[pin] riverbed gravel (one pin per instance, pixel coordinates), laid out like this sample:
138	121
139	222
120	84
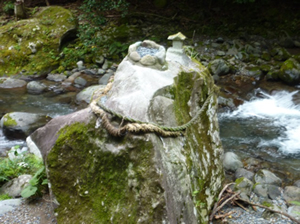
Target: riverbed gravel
240	216
37	212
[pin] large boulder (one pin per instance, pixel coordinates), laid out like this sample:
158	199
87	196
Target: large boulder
141	178
31	46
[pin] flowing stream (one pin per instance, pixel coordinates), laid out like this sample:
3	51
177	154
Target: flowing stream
268	128
48	104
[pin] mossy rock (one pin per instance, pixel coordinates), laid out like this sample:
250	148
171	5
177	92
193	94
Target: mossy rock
31	46
290	71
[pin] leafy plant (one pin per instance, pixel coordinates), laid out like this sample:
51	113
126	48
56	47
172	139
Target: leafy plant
22	163
295	202
36	185
4	197
8	7
190	51
117	48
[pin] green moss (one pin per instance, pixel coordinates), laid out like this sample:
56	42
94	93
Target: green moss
8	121
45	35
94	185
267	204
239	180
193	84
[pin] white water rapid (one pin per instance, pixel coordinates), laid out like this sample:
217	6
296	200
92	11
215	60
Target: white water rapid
281	113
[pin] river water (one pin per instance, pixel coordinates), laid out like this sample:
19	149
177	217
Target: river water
17	100
267	127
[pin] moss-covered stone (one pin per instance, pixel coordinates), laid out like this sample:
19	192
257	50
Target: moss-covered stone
146	178
290	71
7	121
32	45
95	185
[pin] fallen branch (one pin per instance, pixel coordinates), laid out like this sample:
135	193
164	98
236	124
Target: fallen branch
272	210
222	205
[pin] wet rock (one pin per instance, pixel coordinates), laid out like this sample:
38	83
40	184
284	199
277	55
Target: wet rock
9	83
252	71
80	82
297	183
280	54
290	71
101	71
231	162
294	211
267	177
104	79
273	74
243	184
219	67
56	77
261	190
241	172
274	191
15	186
35	87
86	94
291	193
17	125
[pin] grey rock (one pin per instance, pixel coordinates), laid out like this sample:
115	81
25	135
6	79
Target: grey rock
101	71
220	53
241	172
56	77
274	191
80	65
244	185
105	64
9	205
86	94
9	83
297	183
21	124
104	79
294	211
35	87
291	193
80	81
219	67
99	61
15	186
72	78
252	71
290	71
231	162
261	190
267	177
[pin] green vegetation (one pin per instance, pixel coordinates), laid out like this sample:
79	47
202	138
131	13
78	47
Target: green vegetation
25	163
37	185
4	197
8	7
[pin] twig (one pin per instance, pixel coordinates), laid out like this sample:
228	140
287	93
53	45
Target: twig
272	210
224	215
241	206
219	198
222	205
